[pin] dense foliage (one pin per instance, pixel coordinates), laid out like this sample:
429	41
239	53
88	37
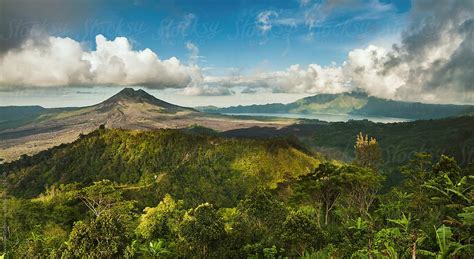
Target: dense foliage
160	194
398	141
193	167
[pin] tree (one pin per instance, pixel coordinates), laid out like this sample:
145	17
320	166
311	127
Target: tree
101	237
158	249
417	171
202	228
263	208
446	165
160	221
450	193
42	243
299	232
323	186
102	196
363	185
367	152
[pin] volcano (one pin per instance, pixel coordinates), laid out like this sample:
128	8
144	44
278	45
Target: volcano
128	109
129	96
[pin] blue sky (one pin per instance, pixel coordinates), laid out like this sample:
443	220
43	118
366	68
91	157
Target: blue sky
227	33
235	52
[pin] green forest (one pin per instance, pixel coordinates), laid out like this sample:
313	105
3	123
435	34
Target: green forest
166	193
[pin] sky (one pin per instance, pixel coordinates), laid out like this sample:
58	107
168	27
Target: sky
74	53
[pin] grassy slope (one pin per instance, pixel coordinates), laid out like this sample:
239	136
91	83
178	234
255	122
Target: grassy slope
193	167
399	141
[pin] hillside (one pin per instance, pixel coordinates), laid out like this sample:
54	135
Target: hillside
254	191
42	128
167	161
355	103
170	194
398	141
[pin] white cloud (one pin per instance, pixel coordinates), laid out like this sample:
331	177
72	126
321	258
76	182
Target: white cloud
53	61
312	79
56	61
433	62
364	68
296	79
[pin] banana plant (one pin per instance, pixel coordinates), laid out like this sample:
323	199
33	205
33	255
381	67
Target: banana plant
454	193
448	248
359	224
415	235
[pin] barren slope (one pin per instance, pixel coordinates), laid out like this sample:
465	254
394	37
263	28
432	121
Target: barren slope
128	109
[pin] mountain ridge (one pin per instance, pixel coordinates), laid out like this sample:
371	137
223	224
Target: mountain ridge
170	153
128	109
353	103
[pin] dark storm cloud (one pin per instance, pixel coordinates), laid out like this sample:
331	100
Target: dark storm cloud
19	17
438	48
431	20
458	72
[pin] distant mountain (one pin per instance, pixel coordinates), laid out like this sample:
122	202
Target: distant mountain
36	128
355	103
130	96
12	116
18	112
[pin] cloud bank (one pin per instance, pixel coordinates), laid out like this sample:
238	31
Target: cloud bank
56	61
433	63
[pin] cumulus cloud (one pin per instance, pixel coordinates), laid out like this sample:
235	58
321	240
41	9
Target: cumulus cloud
433	63
56	61
52	61
438	52
364	69
296	79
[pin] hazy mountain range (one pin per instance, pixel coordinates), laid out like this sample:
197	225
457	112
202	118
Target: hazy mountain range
355	103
